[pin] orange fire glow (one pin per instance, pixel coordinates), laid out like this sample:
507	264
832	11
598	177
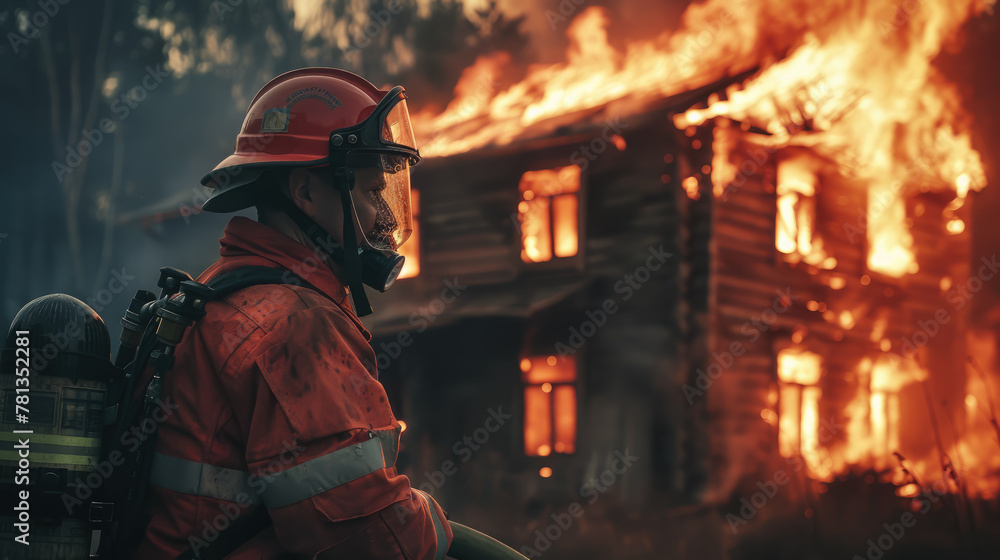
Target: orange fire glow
411	249
548	213
594	74
549	405
799	413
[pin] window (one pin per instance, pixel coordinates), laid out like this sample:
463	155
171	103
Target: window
549	405
548	213
798	412
795	232
889	375
411	249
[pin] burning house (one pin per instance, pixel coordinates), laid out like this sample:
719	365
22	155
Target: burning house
646	283
809	313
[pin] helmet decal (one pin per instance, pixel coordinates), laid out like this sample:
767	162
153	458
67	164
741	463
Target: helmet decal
314	92
275	120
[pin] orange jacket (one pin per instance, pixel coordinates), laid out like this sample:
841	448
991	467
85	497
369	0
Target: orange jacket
276	409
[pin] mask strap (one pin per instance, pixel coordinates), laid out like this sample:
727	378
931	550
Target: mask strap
326	245
352	260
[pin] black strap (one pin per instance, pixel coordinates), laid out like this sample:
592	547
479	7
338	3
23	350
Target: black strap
352	261
235	280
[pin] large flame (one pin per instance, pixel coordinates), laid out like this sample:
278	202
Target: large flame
594	74
860	89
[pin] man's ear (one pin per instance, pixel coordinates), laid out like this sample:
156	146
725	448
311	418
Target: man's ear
299	189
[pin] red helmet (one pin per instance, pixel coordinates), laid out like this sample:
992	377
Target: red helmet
320	116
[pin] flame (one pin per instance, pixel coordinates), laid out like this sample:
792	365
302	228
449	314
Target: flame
593	75
861	90
890	245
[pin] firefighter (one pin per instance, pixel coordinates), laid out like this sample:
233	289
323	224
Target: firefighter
278	403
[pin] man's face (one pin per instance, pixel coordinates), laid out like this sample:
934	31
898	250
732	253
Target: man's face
375	219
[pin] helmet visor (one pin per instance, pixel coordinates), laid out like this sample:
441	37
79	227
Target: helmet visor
396	128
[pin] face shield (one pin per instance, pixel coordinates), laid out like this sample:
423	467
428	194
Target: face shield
380	155
382	181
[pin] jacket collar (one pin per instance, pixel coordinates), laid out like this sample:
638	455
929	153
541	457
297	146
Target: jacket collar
246	242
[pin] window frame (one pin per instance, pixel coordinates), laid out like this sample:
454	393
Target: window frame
553	413
572	262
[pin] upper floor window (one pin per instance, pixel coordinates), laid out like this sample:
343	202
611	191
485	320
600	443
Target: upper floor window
548	213
795	232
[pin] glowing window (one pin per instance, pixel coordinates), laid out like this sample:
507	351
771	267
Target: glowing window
549	405
795	232
411	249
547	213
888	377
798	412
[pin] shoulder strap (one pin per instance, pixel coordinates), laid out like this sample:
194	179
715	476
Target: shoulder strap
237	279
